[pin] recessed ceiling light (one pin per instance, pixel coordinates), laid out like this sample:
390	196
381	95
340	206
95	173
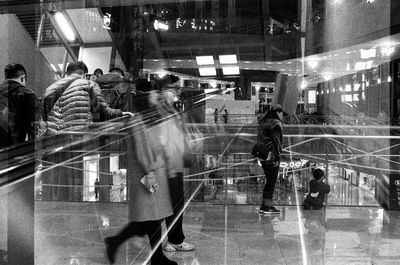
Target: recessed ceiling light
228	59
208	71
204	60
65	26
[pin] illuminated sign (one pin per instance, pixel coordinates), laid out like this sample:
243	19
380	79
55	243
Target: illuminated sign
195	24
293	164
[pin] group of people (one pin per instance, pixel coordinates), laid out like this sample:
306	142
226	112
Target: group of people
270	136
156	148
225	116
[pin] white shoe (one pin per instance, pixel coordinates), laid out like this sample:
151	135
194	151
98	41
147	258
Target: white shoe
180	247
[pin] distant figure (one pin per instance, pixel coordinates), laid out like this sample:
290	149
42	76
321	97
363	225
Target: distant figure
318	189
225	116
216	115
142	84
96	188
18	106
96	74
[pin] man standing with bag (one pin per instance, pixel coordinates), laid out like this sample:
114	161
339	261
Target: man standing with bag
18	106
270	134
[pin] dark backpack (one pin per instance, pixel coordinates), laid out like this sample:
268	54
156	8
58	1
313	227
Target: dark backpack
263	151
118	94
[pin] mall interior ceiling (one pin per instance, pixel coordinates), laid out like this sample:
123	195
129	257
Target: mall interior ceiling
264	35
197	28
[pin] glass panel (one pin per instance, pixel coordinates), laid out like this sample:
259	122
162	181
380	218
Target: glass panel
116	115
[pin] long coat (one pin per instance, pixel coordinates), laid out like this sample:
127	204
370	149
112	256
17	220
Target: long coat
145	153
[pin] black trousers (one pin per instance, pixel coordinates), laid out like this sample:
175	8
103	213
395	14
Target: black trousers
150	228
271	175
175	235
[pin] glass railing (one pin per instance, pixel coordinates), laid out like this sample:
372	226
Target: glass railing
222	172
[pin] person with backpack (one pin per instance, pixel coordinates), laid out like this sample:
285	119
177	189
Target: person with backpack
315	199
18	107
270	134
116	90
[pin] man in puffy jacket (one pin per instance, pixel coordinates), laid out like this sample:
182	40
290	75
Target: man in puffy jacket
74	101
70	104
18	106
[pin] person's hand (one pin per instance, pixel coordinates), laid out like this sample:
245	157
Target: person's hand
151	182
128	113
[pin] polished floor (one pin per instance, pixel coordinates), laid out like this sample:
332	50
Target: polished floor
72	233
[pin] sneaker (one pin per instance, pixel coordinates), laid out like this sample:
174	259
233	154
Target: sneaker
180	247
268	209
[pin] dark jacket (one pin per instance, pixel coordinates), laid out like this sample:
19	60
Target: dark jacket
117	91
270	130
18	113
316	197
72	102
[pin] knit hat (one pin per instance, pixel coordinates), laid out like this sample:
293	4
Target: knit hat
318	173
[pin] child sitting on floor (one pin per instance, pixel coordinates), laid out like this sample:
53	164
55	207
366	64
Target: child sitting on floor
318	189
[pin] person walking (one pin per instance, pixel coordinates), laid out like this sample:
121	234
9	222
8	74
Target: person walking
216	113
270	133
225	116
18	107
96	188
175	139
149	198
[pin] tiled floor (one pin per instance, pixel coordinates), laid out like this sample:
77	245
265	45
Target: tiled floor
71	233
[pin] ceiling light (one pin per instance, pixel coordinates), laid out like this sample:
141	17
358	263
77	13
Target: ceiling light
230	70
64	26
208	71
204	60
228	59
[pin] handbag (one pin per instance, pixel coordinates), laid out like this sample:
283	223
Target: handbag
263	151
